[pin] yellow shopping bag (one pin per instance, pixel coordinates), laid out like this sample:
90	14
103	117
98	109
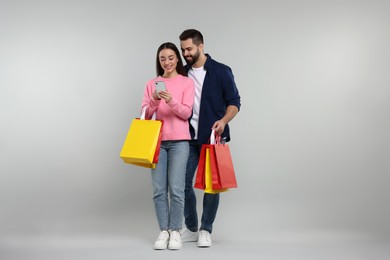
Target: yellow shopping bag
142	143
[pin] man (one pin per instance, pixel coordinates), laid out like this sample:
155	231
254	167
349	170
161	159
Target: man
217	101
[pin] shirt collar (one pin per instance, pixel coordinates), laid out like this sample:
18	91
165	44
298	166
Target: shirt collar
207	64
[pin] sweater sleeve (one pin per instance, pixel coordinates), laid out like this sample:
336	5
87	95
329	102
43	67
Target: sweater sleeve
184	109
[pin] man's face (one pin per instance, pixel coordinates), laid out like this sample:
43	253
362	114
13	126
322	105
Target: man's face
190	51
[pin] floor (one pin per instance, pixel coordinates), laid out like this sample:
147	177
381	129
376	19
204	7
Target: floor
303	246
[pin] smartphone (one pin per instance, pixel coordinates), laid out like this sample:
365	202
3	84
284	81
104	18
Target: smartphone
160	86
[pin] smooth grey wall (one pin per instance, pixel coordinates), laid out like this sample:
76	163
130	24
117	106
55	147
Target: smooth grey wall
310	144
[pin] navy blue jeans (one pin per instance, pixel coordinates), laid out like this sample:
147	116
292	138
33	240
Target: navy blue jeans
210	201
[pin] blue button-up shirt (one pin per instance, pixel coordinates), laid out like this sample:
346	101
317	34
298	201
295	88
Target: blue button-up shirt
219	91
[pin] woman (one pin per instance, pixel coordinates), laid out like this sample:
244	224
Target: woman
174	106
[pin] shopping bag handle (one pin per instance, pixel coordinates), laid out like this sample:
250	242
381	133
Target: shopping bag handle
212	137
215	138
143	114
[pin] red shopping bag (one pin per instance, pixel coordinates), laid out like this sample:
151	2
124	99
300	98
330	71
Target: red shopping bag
224	176
209	174
200	172
214	158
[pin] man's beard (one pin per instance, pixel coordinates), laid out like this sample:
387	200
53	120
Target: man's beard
194	58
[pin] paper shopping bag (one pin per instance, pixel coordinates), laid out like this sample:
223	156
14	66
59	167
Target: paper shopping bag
142	143
225	176
200	172
215	175
208	176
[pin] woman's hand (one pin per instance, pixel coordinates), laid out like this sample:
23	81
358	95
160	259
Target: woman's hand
166	96
155	95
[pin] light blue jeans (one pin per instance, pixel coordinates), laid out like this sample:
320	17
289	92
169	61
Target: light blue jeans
168	180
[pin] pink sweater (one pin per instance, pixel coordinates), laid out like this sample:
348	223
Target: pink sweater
176	113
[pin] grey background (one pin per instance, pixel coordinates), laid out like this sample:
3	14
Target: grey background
310	144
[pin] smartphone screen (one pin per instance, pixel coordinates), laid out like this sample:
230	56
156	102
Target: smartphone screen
160	86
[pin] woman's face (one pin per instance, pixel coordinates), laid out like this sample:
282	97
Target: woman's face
168	60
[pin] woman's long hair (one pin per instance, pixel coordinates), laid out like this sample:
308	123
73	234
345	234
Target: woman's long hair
179	68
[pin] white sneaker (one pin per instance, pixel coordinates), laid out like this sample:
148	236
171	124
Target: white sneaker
204	239
162	240
174	240
189	236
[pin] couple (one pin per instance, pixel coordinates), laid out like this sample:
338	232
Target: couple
198	98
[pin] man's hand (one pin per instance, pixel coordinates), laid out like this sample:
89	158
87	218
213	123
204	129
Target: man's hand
219	126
